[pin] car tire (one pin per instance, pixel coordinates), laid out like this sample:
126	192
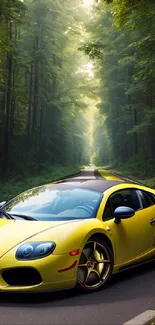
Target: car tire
92	273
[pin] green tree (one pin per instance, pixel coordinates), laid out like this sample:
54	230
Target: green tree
42	95
122	43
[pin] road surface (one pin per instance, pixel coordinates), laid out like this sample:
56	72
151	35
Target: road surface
127	295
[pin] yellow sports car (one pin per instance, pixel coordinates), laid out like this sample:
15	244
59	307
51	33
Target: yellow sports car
75	234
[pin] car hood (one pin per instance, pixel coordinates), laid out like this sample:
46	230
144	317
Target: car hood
15	232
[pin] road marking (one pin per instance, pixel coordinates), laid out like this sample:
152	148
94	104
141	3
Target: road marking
107	175
142	319
85	177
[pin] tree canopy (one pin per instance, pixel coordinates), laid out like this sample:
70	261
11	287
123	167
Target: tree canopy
42	94
122	38
45	48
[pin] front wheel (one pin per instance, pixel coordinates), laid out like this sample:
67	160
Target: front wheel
95	265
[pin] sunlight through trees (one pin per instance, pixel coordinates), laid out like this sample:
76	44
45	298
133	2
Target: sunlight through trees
121	44
43	100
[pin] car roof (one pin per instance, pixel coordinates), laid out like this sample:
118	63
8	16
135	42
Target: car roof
98	185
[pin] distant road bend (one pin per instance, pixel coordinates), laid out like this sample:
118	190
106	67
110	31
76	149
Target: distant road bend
93	173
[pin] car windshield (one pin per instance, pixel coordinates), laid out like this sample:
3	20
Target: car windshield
54	204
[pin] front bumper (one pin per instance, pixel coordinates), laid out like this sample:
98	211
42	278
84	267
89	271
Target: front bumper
58	272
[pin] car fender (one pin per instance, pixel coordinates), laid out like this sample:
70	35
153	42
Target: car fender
74	235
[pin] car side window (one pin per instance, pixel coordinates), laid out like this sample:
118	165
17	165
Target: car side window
148	199
107	215
127	197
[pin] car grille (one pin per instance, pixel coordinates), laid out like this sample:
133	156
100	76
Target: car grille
21	276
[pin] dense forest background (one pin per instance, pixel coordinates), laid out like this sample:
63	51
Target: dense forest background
122	45
76	86
42	94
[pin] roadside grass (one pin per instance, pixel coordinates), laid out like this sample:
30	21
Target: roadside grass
148	181
129	172
14	186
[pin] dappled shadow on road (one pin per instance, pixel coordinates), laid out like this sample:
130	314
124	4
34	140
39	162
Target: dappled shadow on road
128	285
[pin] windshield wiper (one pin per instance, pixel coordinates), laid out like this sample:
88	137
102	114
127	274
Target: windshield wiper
6	215
24	217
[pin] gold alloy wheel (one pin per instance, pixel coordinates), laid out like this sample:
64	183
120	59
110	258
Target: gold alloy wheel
94	265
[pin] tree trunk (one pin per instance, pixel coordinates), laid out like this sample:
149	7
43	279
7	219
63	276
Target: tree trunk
30	104
8	104
36	95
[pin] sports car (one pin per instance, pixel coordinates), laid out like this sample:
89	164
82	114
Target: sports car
75	234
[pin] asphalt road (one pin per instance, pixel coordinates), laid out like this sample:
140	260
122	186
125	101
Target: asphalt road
127	295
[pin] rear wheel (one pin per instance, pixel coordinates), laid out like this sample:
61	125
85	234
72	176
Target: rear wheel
95	265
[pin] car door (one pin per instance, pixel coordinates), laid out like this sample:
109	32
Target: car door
133	236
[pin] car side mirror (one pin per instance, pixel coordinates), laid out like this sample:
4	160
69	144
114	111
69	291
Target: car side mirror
123	213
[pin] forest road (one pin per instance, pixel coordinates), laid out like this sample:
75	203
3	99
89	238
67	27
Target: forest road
127	295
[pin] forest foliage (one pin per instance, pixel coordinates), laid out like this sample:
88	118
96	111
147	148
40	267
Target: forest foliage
42	95
122	42
44	45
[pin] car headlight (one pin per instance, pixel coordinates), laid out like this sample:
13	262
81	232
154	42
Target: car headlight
35	250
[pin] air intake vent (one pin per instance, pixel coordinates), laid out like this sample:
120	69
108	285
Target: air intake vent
22	276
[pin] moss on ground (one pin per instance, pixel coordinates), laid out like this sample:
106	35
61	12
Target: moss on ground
14	186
